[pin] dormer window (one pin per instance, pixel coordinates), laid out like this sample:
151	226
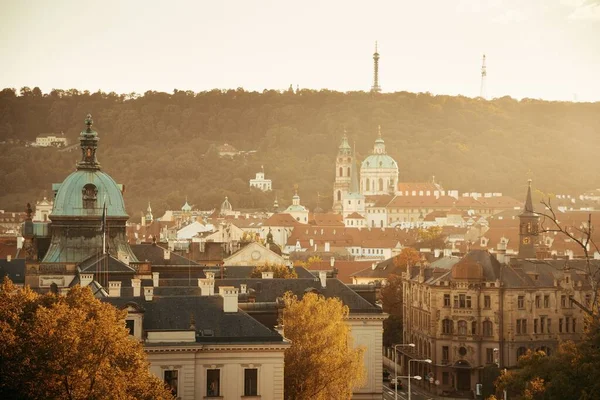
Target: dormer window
90	194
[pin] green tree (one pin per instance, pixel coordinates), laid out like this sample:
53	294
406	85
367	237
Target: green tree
69	347
321	364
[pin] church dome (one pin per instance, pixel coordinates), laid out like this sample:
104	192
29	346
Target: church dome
378	161
84	193
226	205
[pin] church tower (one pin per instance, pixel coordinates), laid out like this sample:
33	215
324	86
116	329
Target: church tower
528	228
343	165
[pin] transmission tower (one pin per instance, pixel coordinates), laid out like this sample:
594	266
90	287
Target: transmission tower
482	89
376	88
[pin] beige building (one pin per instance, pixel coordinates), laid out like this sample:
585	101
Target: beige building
480	311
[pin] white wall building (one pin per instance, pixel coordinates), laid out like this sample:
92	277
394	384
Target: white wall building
51	139
260	182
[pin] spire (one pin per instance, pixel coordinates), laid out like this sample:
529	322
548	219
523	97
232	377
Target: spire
376	88
528	207
379	131
89	144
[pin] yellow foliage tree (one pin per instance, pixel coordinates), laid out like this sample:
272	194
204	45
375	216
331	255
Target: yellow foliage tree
321	364
407	257
279	271
69	347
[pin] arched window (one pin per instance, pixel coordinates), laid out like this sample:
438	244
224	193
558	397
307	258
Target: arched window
339	195
89	195
447	326
462	327
488	329
341	171
367	185
380	184
348	171
521	351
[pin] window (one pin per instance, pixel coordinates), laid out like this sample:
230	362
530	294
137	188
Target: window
567	324
130	325
488	328
521	302
462	301
546	301
213	382
521	326
474	328
574	325
446	300
563	301
535	325
487	302
538	301
489	356
89	194
447	326
250	382
462	327
445	378
445	353
560	325
170	378
548	324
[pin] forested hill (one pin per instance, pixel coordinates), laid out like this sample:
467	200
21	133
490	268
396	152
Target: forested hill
162	146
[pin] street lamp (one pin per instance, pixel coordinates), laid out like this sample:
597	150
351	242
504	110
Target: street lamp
396	366
427	360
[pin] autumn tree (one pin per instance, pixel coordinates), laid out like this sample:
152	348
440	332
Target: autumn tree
431	237
279	271
69	347
407	257
321	364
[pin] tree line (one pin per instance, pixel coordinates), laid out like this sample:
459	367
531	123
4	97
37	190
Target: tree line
162	146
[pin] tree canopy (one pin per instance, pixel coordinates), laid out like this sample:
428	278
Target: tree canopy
321	364
279	271
148	140
69	347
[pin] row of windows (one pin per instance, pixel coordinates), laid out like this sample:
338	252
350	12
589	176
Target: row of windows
213	382
463	327
565	301
544	325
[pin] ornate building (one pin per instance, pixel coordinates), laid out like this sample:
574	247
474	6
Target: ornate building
379	171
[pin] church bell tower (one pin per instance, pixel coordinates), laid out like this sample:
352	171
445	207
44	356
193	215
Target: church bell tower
343	165
528	228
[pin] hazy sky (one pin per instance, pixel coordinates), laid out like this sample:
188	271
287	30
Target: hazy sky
546	49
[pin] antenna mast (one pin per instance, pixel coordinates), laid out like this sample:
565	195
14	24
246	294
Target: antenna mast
482	89
376	88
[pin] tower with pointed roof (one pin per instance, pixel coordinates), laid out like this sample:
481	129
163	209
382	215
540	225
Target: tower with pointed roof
149	216
343	164
528	228
376	88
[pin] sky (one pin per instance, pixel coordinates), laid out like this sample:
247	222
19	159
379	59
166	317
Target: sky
547	49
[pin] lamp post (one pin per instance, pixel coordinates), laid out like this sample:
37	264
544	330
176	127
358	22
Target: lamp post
396	366
427	360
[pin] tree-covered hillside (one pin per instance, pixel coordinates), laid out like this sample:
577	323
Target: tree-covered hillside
162	146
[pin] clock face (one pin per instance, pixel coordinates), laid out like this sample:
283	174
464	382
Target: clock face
525	240
255	255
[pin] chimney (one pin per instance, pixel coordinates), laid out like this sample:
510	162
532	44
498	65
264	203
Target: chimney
155	276
114	289
501	255
327	247
323	278
167	254
207	286
312	242
230	298
373	266
85	279
209	275
136	284
332	261
267	274
20	241
8	258
243	287
148	293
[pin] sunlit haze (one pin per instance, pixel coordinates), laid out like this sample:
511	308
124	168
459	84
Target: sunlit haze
548	49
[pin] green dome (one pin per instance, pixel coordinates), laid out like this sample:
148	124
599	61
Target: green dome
376	161
84	193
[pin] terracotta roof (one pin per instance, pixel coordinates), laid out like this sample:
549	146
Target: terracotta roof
435	214
418	186
355	215
281	219
325	219
381	200
345	268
